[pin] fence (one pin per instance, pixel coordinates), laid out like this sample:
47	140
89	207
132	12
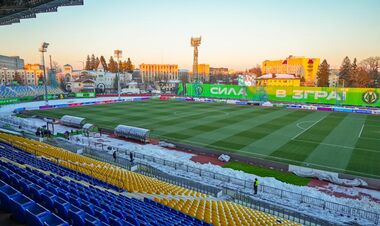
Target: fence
272	191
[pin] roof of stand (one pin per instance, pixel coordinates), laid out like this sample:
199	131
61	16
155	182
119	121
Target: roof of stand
12	11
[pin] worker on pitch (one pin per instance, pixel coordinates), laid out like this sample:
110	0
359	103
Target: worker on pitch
255	185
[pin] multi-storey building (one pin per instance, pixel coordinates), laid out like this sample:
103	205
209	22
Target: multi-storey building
203	73
11	62
85	80
158	72
305	68
277	80
28	76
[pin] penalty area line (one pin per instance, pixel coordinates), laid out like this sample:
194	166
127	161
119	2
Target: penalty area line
309	127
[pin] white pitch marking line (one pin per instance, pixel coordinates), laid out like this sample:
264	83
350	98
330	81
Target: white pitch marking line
308	127
361	130
299	124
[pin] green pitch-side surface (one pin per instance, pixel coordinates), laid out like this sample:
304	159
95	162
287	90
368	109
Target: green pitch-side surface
326	140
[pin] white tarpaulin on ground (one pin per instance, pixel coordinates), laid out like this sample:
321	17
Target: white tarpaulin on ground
324	175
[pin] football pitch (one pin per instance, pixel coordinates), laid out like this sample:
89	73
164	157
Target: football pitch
340	142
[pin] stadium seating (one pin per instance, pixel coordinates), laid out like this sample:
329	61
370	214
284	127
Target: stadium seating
44	198
105	172
82	197
24	91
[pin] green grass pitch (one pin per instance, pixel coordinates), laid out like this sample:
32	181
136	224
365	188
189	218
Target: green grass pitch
332	141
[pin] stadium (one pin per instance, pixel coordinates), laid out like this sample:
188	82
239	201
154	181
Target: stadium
268	150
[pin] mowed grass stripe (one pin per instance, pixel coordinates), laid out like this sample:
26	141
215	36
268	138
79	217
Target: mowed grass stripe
273	141
199	126
211	122
242	139
299	149
364	160
236	125
336	149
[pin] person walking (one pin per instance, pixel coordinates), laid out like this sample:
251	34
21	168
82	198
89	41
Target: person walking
255	185
131	156
114	156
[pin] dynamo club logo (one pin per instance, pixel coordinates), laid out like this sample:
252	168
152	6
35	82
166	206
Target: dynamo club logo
370	97
198	90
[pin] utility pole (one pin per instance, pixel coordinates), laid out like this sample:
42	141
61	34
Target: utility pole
43	49
195	42
118	54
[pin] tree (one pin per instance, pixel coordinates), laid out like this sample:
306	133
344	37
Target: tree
56	67
104	63
372	66
256	70
363	79
18	78
88	63
112	65
345	69
323	74
116	82
92	62
62	83
353	76
97	61
129	65
120	67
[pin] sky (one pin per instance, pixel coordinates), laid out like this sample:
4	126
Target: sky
237	34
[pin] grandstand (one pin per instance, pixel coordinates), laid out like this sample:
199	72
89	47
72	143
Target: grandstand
44	185
26	91
13	11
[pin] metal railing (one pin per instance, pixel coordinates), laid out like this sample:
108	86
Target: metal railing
282	194
153	172
284	213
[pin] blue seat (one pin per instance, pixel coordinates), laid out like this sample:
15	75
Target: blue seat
61	208
34	213
6	193
76	216
75	200
24	186
4	175
91	221
52	188
14	180
44	219
35	192
88	207
19	204
117	222
63	194
131	219
48	199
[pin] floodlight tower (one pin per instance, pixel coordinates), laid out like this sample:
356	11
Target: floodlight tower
195	42
43	49
118	54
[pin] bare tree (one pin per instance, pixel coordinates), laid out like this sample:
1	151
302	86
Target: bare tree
372	66
56	66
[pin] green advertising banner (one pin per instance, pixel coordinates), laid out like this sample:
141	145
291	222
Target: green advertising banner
320	95
89	94
9	101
